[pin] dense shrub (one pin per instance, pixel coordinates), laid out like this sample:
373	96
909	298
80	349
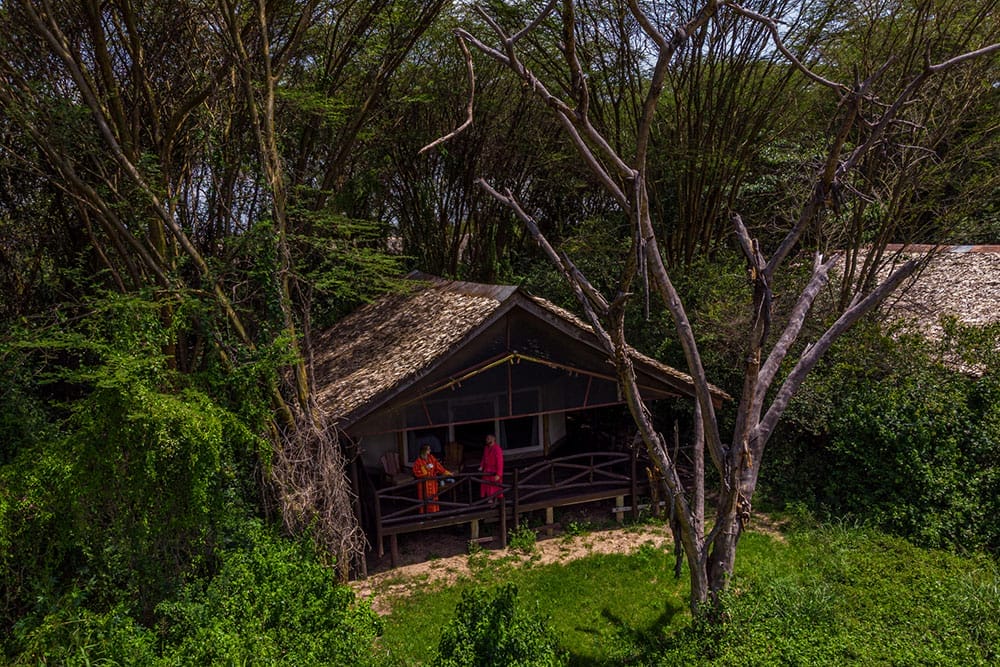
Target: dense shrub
891	431
72	634
271	603
119	479
492	629
127	497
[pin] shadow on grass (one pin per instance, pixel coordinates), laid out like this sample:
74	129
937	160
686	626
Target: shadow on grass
627	644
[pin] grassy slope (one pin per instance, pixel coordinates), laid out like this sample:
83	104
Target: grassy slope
827	596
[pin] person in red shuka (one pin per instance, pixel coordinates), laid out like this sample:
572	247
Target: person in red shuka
492	467
428	469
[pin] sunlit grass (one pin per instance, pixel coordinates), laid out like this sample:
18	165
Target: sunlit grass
834	595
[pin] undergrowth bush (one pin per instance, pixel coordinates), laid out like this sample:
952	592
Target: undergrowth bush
891	431
853	596
120	479
132	478
523	539
491	628
271	603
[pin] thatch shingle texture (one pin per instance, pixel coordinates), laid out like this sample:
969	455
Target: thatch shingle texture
397	339
390	340
960	281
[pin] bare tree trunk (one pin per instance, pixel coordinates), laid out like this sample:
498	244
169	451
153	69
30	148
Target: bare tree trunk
309	470
711	557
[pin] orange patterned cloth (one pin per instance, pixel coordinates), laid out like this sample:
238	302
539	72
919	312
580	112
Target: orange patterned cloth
428	469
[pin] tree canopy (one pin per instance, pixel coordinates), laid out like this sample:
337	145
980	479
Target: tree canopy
188	190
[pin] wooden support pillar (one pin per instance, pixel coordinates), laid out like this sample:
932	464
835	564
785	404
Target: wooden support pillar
502	506
379	538
619	508
517	509
474	529
549	520
394	550
546	439
635	485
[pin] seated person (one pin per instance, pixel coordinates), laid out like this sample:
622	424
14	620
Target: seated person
430	470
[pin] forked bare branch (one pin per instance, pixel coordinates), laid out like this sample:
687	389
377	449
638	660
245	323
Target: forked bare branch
772	27
470	71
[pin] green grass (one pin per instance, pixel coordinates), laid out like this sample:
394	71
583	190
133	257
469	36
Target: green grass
833	595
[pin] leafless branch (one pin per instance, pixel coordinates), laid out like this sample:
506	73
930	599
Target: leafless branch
796	320
810	357
534	24
647	26
959	59
578	82
772	28
471	74
588	295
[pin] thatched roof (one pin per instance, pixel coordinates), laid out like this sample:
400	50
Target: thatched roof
391	343
958	281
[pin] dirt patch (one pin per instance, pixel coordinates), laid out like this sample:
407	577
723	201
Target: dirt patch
442	558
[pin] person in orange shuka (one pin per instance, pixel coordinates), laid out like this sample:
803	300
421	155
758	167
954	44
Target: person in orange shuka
428	469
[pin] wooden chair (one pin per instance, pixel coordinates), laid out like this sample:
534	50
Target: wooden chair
453	456
392	472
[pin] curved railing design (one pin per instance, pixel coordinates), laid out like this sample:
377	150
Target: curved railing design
549	483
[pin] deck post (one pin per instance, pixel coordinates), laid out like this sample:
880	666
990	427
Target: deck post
635	485
474	529
620	508
517	513
502	506
549	520
378	525
394	550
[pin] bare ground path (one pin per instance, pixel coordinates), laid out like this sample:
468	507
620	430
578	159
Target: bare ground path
384	586
443	560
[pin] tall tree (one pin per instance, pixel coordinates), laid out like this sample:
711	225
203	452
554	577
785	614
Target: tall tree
189	148
878	125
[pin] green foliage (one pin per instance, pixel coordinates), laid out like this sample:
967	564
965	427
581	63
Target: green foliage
592	625
271	603
523	539
124	496
122	477
72	634
716	295
890	431
835	594
849	596
344	261
491	628
576	528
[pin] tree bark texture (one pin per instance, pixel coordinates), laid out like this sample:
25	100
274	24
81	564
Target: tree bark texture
622	175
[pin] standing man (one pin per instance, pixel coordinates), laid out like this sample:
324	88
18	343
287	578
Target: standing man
492	468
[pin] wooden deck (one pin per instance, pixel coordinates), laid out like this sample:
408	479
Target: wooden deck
545	484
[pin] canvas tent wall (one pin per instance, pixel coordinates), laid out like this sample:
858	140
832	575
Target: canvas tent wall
451	360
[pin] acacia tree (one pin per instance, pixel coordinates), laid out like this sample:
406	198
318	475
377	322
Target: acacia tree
872	131
167	138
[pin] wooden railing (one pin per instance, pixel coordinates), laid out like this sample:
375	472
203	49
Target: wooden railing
574	479
546	484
